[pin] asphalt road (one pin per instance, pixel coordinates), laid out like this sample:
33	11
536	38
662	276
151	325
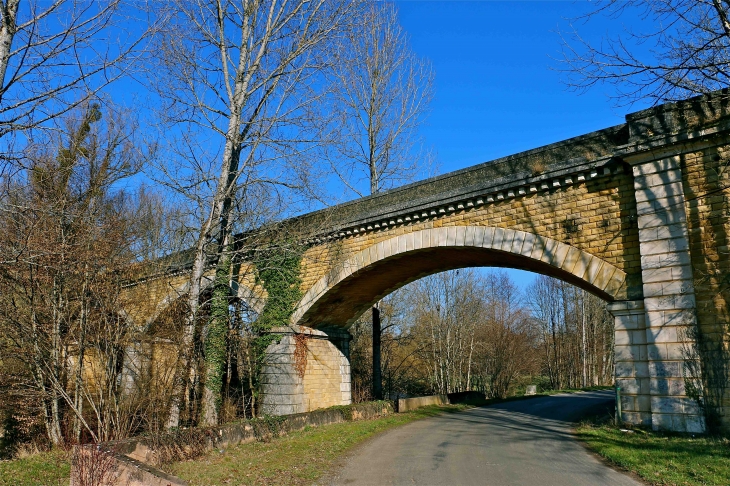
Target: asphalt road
525	442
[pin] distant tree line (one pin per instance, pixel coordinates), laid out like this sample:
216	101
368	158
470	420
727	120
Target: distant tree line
465	330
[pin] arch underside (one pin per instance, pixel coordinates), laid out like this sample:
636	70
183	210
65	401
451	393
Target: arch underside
340	298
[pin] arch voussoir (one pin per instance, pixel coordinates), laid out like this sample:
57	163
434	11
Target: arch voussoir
538	252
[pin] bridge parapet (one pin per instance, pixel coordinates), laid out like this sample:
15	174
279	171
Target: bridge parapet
551	167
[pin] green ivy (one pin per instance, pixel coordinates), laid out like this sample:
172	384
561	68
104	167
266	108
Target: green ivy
279	272
215	341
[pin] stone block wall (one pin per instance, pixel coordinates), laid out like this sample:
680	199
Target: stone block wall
706	183
669	297
147	299
593	215
631	362
324	383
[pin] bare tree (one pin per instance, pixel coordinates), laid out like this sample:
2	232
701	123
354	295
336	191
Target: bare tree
576	331
162	226
449	309
380	97
240	72
505	338
681	49
64	247
545	302
403	371
55	55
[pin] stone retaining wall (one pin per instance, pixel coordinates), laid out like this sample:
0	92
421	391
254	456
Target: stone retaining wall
406	404
136	461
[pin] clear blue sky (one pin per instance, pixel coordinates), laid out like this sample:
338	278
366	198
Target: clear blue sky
498	87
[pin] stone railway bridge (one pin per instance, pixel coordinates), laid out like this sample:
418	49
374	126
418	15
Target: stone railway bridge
636	214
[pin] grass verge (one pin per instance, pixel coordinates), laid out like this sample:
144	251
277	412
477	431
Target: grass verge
298	458
661	458
45	468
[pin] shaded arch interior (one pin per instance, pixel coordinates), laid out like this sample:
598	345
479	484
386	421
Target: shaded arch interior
339	298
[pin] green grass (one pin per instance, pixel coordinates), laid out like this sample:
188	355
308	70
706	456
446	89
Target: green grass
43	469
659	458
298	458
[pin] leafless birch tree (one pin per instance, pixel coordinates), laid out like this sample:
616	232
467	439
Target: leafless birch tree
576	334
449	309
240	72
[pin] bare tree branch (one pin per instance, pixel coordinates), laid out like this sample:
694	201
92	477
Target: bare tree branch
682	51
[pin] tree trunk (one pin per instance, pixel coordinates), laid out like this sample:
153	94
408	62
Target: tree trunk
186	342
78	382
377	376
583	340
8	29
250	380
55	364
215	344
468	369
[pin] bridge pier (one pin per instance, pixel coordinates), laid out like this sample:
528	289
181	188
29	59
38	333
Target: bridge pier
306	370
650	372
652	339
630	357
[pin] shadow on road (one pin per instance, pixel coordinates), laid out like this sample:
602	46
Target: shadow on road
535	419
506	444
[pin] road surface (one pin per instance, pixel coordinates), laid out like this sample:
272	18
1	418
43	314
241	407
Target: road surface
524	442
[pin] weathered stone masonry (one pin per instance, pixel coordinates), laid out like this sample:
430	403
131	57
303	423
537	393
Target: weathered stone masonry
326	379
637	214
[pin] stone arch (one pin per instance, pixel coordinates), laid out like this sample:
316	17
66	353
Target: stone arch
255	298
140	356
335	300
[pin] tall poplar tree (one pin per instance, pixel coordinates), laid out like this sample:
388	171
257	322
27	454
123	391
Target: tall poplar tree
381	94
